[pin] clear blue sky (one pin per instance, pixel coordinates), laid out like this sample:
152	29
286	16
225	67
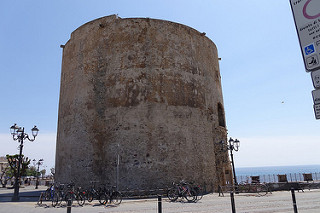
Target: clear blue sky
267	93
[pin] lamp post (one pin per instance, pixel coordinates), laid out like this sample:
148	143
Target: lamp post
233	145
40	162
19	135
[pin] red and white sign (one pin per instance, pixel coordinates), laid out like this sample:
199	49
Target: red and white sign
306	15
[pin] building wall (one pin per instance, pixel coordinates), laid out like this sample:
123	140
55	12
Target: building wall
140	105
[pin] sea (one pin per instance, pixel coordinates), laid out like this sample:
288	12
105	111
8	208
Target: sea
269	173
270	170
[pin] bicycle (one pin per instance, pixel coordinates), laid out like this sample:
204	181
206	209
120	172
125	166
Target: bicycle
69	194
183	190
49	195
259	188
199	191
113	196
95	194
80	196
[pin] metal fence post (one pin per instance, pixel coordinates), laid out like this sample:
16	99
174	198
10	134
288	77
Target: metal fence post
159	204
294	201
69	206
232	202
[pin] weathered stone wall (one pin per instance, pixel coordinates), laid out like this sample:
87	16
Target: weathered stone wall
145	90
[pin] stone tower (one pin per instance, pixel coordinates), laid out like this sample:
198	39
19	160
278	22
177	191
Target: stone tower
140	106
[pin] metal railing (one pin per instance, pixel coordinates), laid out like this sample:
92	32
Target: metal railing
273	178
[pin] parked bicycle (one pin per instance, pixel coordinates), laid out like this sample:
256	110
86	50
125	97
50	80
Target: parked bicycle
198	190
80	195
95	194
259	188
183	190
113	196
49	195
67	192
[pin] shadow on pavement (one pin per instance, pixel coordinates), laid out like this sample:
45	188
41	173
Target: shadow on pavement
30	196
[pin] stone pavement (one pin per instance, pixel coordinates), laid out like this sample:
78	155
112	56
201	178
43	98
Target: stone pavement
281	201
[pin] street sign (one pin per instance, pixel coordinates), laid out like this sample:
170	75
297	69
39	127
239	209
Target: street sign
316	96
317	111
315	75
306	15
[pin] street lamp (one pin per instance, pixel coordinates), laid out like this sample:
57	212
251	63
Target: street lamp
40	162
232	146
19	135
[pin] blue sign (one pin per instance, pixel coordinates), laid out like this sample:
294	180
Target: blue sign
309	49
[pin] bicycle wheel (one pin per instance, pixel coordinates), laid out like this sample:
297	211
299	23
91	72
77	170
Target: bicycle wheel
40	199
69	196
116	198
80	199
55	199
90	197
103	198
60	198
190	195
262	189
199	192
47	195
173	194
242	188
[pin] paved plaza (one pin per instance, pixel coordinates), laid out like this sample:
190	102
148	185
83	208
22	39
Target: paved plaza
308	202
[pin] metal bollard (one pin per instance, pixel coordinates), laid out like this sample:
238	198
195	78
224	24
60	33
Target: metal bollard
232	202
159	204
294	201
69	206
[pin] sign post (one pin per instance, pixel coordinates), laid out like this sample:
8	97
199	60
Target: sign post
306	15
